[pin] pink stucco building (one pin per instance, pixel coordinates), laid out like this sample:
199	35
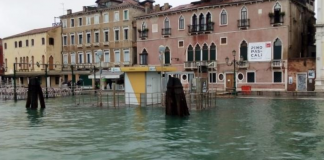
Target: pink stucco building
200	36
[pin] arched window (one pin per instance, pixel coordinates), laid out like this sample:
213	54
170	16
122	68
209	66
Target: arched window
181	22
223	17
167	29
167	56
202	22
24	61
205	53
27	61
213	52
195	26
167	23
190	54
244	50
51	63
20	62
208	22
277	49
143	26
43	61
244	13
143	57
277	13
32	63
197	53
6	61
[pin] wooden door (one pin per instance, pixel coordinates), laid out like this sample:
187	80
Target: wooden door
229	81
51	61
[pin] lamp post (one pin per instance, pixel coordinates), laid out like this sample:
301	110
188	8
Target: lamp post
99	54
234	62
161	51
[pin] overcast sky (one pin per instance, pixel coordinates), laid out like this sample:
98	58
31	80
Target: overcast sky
22	15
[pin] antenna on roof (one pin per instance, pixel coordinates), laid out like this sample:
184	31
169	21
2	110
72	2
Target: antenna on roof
63	7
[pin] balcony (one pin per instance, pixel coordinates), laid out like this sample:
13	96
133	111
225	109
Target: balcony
243	23
276	64
143	34
106	43
88	45
166	32
83	66
196	64
201	28
79	45
96	44
244	65
276	20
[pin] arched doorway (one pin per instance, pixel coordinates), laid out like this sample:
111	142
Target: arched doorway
51	63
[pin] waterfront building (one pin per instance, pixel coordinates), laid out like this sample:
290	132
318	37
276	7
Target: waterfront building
320	46
34	52
2	68
107	26
267	36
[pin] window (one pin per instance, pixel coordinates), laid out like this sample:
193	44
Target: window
240	76
43	61
223	40
244	50
212	77
20	44
125	33
205	53
64	23
57	80
73	58
106	18
32	59
209	21
223	17
116	35
89	57
5	45
80	58
96	19
15	44
250	77
97	59
43	41
64	40
221	77
126	55
202	22
96	40
106	37
51	41
72	39
88	37
117	56
80	22
197	53
126	15
72	23
80	38
212	55
181	22
65	59
190	54
32	42
167	56
244	15
143	57
277	77
27	43
277	49
277	13
116	16
88	19
106	56
167	23
180	44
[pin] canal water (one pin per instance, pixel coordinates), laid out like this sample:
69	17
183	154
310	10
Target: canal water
237	129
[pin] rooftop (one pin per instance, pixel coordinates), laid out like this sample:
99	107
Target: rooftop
31	32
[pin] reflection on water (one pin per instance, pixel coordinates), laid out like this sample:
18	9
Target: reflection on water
235	129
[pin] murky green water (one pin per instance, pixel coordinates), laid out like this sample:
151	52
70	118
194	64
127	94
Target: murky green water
238	129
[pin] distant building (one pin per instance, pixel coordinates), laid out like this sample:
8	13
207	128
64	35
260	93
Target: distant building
26	50
320	46
107	26
265	34
2	67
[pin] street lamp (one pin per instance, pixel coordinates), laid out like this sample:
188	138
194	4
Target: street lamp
161	51
99	54
235	63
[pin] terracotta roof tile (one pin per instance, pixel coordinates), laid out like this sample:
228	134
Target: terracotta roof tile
34	31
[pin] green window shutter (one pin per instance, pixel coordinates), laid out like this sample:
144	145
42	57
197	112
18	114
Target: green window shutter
205	55
244	51
190	56
167	58
277	52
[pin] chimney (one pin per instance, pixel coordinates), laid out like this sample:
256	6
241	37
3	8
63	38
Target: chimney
157	8
166	6
69	11
84	8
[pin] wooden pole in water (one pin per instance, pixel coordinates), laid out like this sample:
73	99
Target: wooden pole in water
35	92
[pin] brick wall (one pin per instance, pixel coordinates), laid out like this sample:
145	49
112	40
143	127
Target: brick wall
301	66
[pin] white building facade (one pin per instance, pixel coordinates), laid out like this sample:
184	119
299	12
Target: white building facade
319	86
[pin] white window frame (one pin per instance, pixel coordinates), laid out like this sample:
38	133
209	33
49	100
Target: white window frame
281	77
65	58
115	57
73	58
65	41
126	28
116	19
94	37
106	31
72	34
220	41
184	22
220	17
104	17
88	38
237	77
87	59
79	21
88	20
96	58
79	38
124	14
82	60
105	59
129	59
248	78
71	23
219	75
115	34
64	23
96	19
213	72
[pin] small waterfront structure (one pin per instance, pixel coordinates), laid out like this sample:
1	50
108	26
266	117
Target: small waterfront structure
320	46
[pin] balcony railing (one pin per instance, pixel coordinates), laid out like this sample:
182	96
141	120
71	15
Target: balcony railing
243	23
143	34
276	64
276	19
209	27
196	64
166	31
243	64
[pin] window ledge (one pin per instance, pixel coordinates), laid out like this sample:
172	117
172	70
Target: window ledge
223	25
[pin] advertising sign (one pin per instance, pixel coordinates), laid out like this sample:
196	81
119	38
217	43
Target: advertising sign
259	51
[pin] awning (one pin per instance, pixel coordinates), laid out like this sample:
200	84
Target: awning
107	75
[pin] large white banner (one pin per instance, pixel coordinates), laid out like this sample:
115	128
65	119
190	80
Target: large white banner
259	51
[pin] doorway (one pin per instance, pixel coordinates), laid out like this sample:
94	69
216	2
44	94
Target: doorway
229	81
51	65
302	82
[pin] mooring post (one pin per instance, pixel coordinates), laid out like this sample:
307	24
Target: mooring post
46	92
73	80
15	86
